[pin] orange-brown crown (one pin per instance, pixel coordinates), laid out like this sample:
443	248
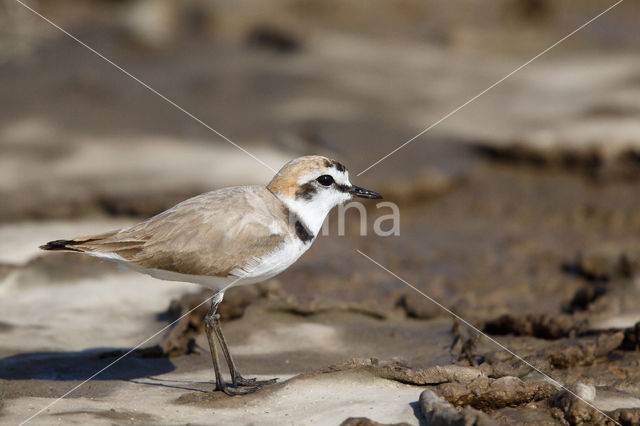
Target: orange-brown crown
286	181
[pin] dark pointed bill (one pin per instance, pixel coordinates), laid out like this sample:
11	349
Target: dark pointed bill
363	193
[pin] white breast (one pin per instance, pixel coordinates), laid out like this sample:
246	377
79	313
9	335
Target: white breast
270	265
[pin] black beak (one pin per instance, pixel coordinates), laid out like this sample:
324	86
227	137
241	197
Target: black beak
363	193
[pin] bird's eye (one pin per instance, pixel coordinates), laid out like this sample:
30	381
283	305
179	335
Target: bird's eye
325	180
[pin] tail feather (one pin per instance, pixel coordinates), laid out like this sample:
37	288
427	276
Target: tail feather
70	245
66	245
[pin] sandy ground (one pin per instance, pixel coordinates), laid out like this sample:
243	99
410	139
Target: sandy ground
519	213
306	401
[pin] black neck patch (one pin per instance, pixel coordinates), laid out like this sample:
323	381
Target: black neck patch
303	232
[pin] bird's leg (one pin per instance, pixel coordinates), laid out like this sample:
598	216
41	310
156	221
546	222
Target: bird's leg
211	327
236	378
220	385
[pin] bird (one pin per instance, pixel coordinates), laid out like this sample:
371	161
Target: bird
232	236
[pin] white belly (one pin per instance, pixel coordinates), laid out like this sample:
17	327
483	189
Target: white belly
258	270
272	264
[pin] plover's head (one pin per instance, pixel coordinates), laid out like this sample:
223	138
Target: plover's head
311	186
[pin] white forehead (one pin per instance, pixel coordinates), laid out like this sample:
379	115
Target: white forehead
340	176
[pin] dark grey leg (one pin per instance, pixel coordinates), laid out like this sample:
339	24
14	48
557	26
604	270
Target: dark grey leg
212	327
236	378
220	385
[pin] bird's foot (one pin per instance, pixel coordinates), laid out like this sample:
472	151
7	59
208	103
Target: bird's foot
234	390
241	381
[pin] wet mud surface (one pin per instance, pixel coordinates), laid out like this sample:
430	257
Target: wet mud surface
521	215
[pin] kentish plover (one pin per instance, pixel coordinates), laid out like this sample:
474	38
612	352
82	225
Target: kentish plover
232	236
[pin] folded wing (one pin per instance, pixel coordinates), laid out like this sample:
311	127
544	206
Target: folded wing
212	234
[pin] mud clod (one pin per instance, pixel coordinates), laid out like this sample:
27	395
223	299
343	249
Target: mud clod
364	421
605	263
584	297
582	351
571	408
399	371
417	308
464	344
626	416
438	412
273	39
522	153
541	326
485	393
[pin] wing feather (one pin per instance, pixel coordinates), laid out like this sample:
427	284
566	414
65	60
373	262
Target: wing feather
211	234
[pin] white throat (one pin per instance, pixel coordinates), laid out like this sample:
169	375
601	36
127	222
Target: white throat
310	212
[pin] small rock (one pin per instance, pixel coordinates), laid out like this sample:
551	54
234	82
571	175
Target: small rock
151	23
586	392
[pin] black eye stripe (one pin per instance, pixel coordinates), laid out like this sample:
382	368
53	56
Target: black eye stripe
342	188
306	191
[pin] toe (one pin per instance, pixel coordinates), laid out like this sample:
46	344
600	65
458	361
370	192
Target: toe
241	381
235	391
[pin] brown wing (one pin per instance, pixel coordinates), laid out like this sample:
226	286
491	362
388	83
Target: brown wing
211	234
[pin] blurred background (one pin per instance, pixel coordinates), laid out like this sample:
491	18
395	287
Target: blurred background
524	203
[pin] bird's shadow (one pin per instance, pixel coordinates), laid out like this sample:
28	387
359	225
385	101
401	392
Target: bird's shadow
188	385
81	365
